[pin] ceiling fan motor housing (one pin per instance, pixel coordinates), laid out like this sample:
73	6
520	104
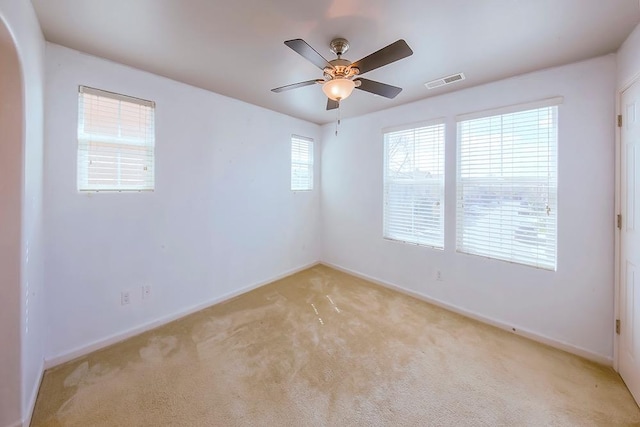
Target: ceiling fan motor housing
341	70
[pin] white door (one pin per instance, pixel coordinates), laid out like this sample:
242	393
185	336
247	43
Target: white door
629	340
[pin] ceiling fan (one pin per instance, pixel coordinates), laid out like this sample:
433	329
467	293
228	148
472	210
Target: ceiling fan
342	76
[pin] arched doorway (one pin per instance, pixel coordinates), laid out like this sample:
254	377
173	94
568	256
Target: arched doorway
11	172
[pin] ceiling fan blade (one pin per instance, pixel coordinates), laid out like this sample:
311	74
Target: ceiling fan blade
295	85
386	55
331	104
306	51
378	88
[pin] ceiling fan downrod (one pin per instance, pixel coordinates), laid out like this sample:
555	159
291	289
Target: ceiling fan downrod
339	46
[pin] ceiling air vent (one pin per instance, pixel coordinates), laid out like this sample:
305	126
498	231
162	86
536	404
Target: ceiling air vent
445	81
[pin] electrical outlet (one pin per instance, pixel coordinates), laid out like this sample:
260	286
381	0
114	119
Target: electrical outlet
146	291
125	298
439	275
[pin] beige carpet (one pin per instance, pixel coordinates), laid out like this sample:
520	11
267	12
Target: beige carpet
324	348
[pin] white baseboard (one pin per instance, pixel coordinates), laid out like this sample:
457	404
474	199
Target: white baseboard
31	405
534	336
120	336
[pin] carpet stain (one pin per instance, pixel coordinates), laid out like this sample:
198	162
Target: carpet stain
325	348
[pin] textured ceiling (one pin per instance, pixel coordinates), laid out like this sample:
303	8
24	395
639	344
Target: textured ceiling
236	48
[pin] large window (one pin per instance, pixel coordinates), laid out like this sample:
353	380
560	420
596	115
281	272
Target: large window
414	185
301	163
507	185
116	141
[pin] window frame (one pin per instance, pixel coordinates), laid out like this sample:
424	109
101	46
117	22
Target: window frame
310	147
551	146
411	238
118	143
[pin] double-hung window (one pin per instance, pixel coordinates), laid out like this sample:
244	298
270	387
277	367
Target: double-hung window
116	139
301	163
507	184
414	184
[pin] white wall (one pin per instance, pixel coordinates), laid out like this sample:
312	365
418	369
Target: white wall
33	286
21	303
222	216
628	59
572	307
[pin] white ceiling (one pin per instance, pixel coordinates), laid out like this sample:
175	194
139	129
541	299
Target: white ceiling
235	47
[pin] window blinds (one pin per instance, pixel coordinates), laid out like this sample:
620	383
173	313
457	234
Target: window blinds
414	185
507	186
301	163
116	139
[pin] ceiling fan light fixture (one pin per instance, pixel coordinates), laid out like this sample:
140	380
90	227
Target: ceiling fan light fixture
338	89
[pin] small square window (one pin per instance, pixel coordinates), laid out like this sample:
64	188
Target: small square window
116	139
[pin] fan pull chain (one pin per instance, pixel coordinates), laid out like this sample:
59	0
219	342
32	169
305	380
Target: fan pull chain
337	118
